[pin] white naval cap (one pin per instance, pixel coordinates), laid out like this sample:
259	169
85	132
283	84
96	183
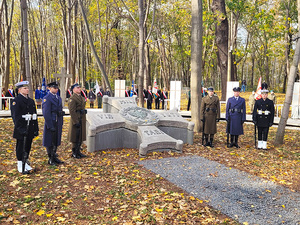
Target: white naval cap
22	84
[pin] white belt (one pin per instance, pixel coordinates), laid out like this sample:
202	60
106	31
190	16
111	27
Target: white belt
266	112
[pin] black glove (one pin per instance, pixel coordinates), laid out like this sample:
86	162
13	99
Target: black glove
52	129
255	122
36	133
270	124
77	125
217	120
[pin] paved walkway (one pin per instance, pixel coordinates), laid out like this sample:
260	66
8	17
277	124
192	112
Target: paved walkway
239	195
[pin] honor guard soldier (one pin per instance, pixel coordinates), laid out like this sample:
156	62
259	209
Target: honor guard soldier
77	127
53	114
99	97
235	117
263	117
23	112
210	115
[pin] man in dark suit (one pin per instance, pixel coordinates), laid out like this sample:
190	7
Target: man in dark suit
53	114
23	113
149	97
164	96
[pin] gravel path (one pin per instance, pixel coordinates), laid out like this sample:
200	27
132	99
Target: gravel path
239	195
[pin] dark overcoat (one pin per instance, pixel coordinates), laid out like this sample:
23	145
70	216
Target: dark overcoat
149	96
210	111
20	106
52	112
76	103
236	115
260	116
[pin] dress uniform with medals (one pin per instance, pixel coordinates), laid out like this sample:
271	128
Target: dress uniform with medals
53	114
235	116
77	127
210	115
23	112
263	118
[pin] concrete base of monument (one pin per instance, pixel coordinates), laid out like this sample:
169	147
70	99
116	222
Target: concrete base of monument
124	125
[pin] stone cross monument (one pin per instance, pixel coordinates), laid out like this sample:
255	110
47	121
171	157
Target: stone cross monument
62	80
125	125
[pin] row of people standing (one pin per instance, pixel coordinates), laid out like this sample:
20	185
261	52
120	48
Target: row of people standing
262	116
24	115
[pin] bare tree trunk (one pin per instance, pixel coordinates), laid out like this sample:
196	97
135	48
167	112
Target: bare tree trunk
93	48
196	62
218	8
141	52
24	8
7	43
288	96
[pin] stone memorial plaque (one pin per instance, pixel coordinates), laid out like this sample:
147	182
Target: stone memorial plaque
125	125
154	139
114	105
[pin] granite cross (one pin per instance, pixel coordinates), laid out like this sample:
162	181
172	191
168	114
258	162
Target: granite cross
62	80
125	125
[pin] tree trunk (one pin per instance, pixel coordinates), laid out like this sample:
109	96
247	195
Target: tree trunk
218	8
141	53
24	9
288	96
196	62
93	48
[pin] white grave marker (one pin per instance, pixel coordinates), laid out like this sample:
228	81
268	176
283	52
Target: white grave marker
230	86
175	94
119	88
296	101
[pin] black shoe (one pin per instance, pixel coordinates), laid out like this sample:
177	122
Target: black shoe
81	155
74	154
52	162
207	144
236	145
58	161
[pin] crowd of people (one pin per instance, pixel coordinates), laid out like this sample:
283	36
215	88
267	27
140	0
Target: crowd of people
24	115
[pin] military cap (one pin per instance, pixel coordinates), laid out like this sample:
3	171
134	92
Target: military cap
75	85
210	89
264	91
237	89
53	84
24	83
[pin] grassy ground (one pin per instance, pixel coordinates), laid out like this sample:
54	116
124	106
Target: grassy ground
109	187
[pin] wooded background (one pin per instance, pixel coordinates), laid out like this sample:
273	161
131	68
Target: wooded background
260	34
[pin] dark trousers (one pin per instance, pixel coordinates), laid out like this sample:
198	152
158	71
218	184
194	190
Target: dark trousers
189	104
19	147
262	133
99	102
91	104
149	105
157	103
